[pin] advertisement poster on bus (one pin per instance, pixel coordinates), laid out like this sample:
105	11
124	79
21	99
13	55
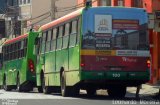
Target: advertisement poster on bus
116	34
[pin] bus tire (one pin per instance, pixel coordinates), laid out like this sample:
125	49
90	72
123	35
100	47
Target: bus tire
5	86
75	91
40	90
45	89
117	92
18	84
64	88
91	91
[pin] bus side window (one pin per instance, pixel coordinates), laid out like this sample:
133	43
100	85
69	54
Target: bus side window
10	48
73	34
40	45
66	35
36	45
8	55
2	53
5	53
53	40
18	50
13	45
19	45
59	39
9	52
1	60
22	44
78	31
48	39
43	42
25	43
22	49
25	46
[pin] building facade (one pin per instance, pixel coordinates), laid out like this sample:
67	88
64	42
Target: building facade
11	24
149	5
33	13
97	2
22	15
2	20
3	5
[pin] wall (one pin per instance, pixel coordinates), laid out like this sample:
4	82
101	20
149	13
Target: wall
62	7
128	3
156	5
147	4
2	6
38	8
80	1
114	2
2	28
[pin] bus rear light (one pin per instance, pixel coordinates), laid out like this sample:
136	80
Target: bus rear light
31	65
82	64
148	63
32	70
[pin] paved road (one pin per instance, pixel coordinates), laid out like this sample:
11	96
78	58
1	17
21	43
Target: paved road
34	98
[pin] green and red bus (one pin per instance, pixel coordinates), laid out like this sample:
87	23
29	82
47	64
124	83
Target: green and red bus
18	63
94	48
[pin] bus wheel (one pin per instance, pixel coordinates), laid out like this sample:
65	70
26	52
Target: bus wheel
91	91
5	87
75	91
40	90
19	88
45	89
117	92
64	88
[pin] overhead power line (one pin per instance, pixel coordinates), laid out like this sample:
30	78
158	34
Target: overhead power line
46	13
41	19
73	7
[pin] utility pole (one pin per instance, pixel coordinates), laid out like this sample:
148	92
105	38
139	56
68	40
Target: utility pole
53	9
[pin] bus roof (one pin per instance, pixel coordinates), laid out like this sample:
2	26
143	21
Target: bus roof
60	20
16	39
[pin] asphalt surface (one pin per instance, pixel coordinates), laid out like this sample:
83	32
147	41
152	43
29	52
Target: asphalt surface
35	98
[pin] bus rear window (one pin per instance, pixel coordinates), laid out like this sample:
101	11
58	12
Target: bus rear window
124	35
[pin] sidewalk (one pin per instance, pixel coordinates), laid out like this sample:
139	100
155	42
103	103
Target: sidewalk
146	90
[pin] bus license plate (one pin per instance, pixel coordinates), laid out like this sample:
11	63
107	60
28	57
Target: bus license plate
116	75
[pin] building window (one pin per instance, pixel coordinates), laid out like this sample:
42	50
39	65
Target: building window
29	1
137	3
24	1
105	2
120	2
20	2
